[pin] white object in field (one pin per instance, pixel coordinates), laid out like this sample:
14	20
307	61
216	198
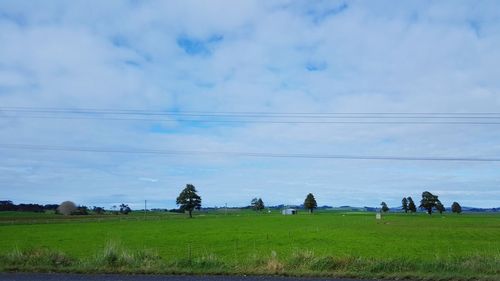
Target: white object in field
289	212
378	216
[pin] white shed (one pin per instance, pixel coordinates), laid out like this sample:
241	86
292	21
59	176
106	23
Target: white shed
289	212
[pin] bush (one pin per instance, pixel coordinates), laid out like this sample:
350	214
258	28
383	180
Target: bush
66	208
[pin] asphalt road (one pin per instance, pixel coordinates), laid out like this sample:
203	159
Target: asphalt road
111	277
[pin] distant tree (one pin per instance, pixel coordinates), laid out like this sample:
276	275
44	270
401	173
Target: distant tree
98	210
260	204
404	204
253	203
50	207
439	207
384	207
81	211
411	205
125	209
456	208
189	200
310	202
257	204
66	208
7	206
428	202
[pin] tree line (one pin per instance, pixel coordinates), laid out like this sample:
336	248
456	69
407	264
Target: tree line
189	200
429	203
65	208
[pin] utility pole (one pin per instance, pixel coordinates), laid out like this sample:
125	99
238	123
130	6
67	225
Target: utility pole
145	208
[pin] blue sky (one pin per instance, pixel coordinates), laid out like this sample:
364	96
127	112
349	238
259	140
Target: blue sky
249	56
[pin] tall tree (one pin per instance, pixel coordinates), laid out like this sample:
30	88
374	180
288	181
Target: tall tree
189	199
260	204
310	202
428	202
384	207
253	203
404	204
411	205
456	208
257	204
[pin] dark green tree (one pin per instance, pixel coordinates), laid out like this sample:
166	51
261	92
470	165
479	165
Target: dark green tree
384	207
310	202
257	204
189	200
439	207
253	203
125	209
98	210
404	204
260	204
428	202
456	208
411	205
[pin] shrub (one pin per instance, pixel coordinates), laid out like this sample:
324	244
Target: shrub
66	208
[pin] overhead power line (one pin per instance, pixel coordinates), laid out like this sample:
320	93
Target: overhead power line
247	121
143	111
241	154
344	115
254	117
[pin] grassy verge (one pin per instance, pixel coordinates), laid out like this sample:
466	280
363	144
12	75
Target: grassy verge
116	259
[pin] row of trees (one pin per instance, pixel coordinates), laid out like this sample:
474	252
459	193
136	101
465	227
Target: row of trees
189	200
8	205
65	208
428	203
69	208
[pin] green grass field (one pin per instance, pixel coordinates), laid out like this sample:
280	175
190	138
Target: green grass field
447	246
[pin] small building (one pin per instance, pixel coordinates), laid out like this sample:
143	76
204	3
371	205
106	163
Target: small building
289	211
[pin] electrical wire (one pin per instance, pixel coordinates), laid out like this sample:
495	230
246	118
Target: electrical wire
241	154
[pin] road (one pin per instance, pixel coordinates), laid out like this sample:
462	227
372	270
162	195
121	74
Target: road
112	277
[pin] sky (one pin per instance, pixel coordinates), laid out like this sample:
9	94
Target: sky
248	56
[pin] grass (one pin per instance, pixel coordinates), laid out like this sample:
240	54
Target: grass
458	247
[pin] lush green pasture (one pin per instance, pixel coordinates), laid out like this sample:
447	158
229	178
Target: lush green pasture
334	244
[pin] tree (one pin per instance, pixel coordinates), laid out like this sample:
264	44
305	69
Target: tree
428	202
456	208
404	204
66	208
99	210
50	207
310	202
411	205
257	204
125	209
260	204
189	200
81	210
439	207
7	206
384	207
